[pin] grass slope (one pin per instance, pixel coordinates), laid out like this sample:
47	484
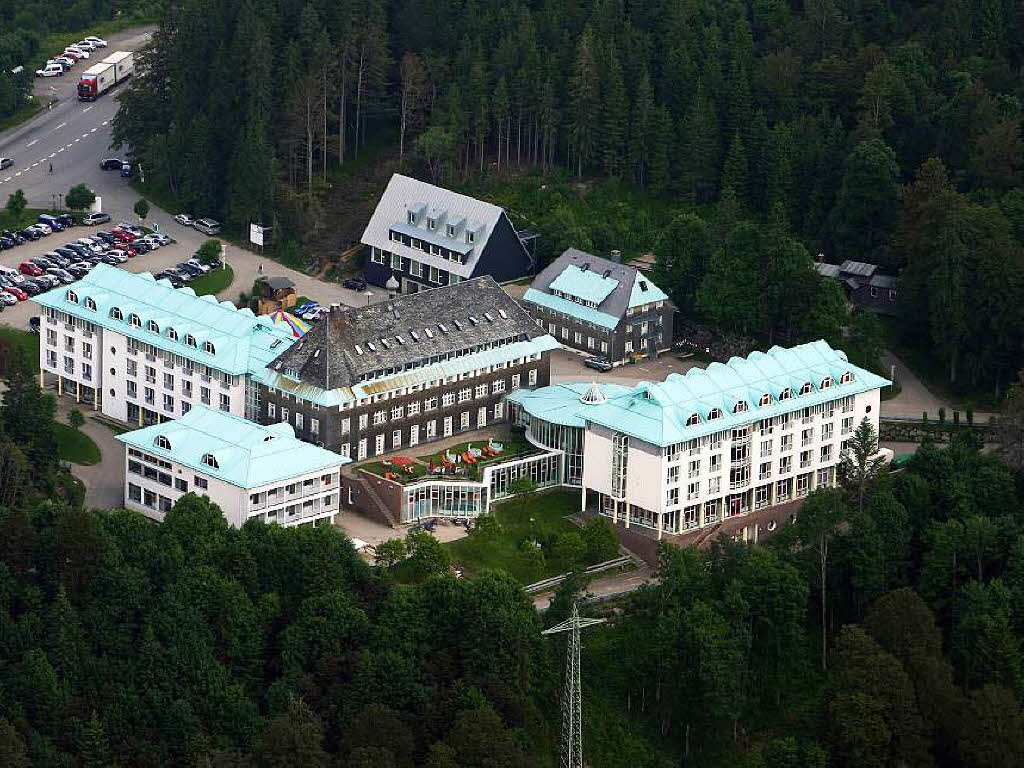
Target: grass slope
214	281
75	446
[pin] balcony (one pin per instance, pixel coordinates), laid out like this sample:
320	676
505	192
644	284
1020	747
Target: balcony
807	420
735	485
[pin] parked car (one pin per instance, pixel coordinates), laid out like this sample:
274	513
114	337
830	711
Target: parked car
29	286
203	268
42	229
184	266
86	45
56	258
170	277
30	234
17	237
73	55
107	237
127	171
48	280
598	363
77	271
61	274
82	53
183	274
111	164
28	268
51	70
67	253
119	257
95	218
5	163
162	238
98	41
355	284
131	228
17	293
184	219
6	243
207	226
65	61
7	299
43	263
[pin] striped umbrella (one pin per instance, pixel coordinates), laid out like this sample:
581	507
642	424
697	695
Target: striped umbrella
299	328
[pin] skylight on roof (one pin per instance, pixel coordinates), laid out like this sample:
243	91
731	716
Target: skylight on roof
415	336
399	339
276	343
359	350
369	346
473	320
430	333
488	317
458	324
442	327
386	344
503	313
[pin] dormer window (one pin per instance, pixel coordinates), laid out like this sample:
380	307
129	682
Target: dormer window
471	237
162	442
190	340
826	382
693	420
116	313
412	217
172	334
134	321
740	407
766	399
210	460
806	389
785	394
291	373
846	378
431	224
72	297
208	348
714	413
153	327
89	303
451	230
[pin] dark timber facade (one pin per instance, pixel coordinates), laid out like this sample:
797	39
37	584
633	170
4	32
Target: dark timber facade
373	380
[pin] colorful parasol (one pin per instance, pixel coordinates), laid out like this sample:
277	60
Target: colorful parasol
402	460
299	328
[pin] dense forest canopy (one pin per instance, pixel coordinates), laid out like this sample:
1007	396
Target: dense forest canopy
883	628
781	129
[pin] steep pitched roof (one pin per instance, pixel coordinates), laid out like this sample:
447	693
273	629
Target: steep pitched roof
405	195
352	344
242	342
658	412
610	286
247	454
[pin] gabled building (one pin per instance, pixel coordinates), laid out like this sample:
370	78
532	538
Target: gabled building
602	307
142	351
369	380
249	471
427	237
864	285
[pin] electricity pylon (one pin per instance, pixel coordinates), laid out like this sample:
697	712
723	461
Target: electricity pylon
572	698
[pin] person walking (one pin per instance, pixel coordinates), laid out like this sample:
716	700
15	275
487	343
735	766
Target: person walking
260	268
51	167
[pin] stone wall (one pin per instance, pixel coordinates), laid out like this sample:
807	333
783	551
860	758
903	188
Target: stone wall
892	431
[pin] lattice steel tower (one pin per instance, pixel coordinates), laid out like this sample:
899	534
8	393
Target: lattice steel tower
572	699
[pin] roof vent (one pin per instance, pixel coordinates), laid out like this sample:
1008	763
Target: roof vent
399	339
488	317
503	313
643	285
606	273
442	327
473	320
369	346
430	333
415	336
585	267
593	395
359	350
458	324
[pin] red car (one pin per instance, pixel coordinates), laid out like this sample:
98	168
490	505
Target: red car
28	268
17	293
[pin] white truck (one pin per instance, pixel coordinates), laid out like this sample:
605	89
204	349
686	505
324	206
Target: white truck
99	78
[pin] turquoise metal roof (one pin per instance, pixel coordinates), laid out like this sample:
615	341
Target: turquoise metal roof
558	304
248	455
242	342
584	284
644	291
560	403
657	412
454	367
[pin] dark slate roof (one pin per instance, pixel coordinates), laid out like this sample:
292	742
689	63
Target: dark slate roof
617	302
857	268
882	281
277	282
349	344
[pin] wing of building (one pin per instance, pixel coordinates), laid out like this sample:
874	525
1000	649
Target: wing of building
427	236
602	307
864	285
423	366
248	470
142	351
714	443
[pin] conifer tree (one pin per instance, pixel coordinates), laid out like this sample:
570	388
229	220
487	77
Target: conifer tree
584	99
734	174
614	115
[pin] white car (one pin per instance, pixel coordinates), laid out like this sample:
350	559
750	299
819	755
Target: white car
51	70
88	45
99	42
184	219
119	256
82	53
204	268
46	230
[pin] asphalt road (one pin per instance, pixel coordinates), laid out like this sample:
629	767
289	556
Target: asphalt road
72	135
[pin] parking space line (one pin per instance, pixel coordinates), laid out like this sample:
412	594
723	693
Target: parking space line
61	149
59	127
76	140
31	142
18	173
87	109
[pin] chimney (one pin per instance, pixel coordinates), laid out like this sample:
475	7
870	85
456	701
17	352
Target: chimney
617	255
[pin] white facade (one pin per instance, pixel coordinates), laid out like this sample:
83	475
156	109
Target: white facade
699	482
153	484
128	379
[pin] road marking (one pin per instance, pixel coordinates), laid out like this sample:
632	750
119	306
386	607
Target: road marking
18	173
62	148
92	131
68	146
104	122
85	135
59	127
7	179
86	109
42	159
53	154
76	140
31	142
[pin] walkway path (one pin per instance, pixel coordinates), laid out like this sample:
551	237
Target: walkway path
104	482
603	587
915	398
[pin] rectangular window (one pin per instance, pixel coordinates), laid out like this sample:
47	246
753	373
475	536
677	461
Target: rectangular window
435	275
346	425
181	484
629	346
604	347
716	462
447	426
414	408
672	497
199	482
314	426
766	447
415	268
826	431
826	452
397	412
692	491
481	390
298	420
168	403
577	337
414	434
134	492
430	404
515	380
431	429
464	420
499	410
465	394
396	439
448	398
132	389
272	410
168	381
396	262
379	444
379	417
714	484
361	453
533	377
787	443
363	419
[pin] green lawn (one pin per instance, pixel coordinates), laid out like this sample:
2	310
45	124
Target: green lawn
27	112
511	447
377	468
26	340
75	446
26	217
540	517
214	281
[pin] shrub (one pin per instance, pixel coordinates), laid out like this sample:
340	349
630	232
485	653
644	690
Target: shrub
600	540
79	197
531	560
75	418
942	414
141	208
486	527
570	549
522	486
